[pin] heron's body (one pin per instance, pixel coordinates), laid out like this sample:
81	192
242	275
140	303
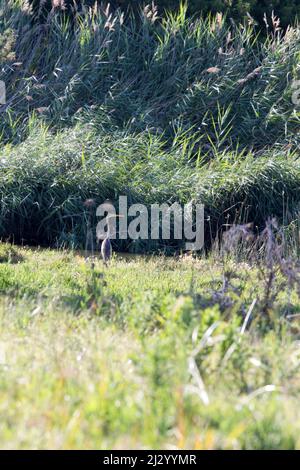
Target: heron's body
106	249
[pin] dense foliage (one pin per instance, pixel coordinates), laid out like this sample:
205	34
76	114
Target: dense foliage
286	10
167	111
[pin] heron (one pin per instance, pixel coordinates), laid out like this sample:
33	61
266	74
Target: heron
106	247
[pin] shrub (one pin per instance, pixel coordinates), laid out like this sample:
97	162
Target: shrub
286	10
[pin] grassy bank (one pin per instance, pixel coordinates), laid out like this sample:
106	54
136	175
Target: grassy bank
104	358
160	111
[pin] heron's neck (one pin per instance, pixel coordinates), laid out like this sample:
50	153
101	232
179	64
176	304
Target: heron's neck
108	233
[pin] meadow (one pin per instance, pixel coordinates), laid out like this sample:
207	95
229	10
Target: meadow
185	351
151	352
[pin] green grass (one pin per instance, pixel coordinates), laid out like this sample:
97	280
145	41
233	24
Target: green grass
103	359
